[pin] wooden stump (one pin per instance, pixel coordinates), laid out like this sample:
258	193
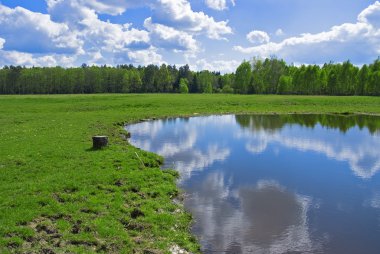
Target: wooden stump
99	141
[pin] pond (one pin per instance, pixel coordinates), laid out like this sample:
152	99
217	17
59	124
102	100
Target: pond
275	183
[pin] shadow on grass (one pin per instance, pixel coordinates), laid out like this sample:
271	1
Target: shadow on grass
92	149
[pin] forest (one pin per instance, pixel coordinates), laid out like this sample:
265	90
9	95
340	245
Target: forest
257	76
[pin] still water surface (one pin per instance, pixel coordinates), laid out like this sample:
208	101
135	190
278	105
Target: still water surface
275	183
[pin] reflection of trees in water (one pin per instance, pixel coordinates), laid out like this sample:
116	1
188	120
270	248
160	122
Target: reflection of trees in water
341	122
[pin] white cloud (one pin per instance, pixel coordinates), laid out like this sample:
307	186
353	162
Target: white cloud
279	32
29	60
97	34
145	57
72	29
2	41
371	15
169	38
358	42
175	13
219	5
33	32
112	7
179	15
113	37
258	37
224	66
70	12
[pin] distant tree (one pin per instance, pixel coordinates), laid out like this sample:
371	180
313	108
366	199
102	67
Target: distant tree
185	72
163	80
285	85
243	78
132	82
227	89
204	81
183	85
268	76
273	69
227	82
258	73
322	80
373	86
148	79
363	78
332	81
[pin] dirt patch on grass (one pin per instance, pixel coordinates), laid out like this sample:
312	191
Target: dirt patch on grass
48	239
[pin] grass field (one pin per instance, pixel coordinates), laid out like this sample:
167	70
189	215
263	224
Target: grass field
57	195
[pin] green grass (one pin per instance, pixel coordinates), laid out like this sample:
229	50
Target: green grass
57	194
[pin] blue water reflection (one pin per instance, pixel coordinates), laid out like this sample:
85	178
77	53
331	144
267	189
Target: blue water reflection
275	184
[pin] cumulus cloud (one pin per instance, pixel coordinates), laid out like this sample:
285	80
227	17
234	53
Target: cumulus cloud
73	29
111	7
217	4
179	15
174	13
145	57
224	66
358	42
32	32
97	34
258	37
28	59
371	15
169	38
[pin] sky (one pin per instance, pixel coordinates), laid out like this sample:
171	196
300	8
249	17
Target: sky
206	34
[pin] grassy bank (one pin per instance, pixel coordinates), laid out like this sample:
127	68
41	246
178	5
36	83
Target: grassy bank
58	195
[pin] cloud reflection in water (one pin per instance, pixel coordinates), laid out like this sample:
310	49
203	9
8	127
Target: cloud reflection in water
362	155
264	218
224	161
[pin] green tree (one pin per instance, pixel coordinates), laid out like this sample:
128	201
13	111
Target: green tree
373	86
148	79
363	78
132	81
163	80
285	85
273	69
243	78
257	82
227	82
183	85
205	81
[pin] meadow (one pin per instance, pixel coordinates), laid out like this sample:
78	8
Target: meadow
59	195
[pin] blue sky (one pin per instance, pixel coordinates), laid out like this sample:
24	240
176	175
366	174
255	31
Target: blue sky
206	34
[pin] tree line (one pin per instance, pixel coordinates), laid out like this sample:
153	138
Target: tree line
258	76
341	122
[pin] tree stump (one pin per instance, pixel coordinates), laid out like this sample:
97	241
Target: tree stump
99	141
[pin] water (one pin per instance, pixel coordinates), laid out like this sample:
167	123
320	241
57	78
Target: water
276	183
